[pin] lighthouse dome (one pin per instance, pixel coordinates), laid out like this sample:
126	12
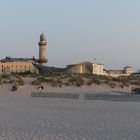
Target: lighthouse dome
42	37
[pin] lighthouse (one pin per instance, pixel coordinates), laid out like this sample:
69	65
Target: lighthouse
42	50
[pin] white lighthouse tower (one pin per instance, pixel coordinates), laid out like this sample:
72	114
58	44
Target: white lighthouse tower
42	50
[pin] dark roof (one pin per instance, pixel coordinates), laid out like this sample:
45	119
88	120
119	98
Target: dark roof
42	37
128	67
45	69
9	59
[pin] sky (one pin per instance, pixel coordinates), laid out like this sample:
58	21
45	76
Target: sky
102	31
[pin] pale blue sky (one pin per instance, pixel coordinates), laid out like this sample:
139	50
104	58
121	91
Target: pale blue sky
77	30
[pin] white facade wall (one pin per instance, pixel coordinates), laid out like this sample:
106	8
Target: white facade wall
128	70
117	75
98	69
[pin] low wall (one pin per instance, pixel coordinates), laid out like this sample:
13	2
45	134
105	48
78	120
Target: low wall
111	97
96	96
55	95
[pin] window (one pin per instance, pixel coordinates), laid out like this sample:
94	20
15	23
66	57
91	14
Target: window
25	68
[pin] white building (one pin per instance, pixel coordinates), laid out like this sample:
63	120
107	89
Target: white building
98	69
125	72
128	70
83	68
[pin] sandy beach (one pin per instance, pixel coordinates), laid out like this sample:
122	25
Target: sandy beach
27	118
23	117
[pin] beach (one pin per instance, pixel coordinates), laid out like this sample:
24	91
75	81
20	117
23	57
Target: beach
27	118
23	117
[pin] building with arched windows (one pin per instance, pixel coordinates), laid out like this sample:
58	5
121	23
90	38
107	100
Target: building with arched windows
17	65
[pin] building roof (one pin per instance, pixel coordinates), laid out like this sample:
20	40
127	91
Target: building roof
9	59
45	69
42	37
98	63
128	67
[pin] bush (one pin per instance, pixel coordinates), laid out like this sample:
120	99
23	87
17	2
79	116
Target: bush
21	82
5	82
11	81
112	85
59	81
36	82
41	79
79	82
76	80
121	85
49	80
89	83
96	81
6	76
54	84
125	84
1	82
124	80
67	84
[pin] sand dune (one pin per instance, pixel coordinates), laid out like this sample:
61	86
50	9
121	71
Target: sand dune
28	88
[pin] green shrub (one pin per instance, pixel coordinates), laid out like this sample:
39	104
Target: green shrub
1	81
60	82
80	82
41	79
125	84
54	84
36	82
121	85
5	82
11	81
4	76
96	81
89	83
112	85
68	84
20	82
49	80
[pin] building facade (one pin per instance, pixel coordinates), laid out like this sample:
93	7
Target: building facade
125	72
81	68
17	65
128	70
98	69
